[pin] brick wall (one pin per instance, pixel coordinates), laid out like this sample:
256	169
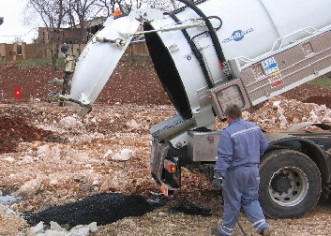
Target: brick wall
17	52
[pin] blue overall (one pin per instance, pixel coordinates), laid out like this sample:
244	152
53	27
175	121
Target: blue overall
241	145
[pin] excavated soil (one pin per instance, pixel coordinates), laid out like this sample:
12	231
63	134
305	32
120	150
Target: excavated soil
14	130
53	161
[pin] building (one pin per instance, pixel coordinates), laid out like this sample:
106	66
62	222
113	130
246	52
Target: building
62	35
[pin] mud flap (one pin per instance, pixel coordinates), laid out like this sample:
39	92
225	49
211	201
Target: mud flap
99	59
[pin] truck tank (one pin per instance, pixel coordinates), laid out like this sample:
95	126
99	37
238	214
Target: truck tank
245	29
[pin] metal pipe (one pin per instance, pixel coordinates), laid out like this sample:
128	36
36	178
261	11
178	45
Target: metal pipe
180	27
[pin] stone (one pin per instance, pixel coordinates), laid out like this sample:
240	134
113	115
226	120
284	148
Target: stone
39	228
124	155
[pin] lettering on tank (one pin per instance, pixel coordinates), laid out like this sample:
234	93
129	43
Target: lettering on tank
238	35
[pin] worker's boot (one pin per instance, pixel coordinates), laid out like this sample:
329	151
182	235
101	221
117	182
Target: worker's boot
266	231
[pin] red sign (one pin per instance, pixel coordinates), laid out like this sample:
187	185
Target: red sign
277	83
18	93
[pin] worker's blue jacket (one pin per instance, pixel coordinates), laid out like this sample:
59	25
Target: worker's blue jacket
241	143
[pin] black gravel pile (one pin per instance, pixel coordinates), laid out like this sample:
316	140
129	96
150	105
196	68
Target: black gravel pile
103	208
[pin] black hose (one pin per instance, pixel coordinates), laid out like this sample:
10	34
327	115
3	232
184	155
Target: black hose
205	32
178	10
195	51
217	18
214	38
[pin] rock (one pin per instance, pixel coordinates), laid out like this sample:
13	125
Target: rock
56	230
39	228
132	124
49	153
93	227
43	151
31	186
55	153
162	214
108	154
128	223
50	232
27	159
313	117
80	156
97	135
124	155
80	230
9	159
70	122
7	210
55	226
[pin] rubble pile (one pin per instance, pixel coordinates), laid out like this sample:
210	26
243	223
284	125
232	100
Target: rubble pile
280	113
54	229
14	130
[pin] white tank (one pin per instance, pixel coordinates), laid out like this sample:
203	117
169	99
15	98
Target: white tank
248	29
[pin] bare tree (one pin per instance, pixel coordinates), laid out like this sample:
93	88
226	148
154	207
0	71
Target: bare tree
111	5
83	10
125	6
52	13
164	5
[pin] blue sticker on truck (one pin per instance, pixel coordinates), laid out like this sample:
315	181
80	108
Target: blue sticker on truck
238	35
270	66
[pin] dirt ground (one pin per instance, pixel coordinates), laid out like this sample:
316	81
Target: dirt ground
50	157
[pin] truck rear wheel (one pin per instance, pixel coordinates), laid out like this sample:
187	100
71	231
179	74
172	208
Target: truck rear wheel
290	184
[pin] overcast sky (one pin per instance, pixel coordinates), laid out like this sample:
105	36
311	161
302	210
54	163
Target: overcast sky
13	25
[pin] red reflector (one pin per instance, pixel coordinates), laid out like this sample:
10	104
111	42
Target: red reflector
170	166
277	83
18	93
165	190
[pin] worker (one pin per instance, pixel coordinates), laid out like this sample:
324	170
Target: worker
237	170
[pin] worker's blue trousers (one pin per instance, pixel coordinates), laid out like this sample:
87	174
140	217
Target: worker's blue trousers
241	189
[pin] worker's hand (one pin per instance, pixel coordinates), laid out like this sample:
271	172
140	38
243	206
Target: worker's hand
217	182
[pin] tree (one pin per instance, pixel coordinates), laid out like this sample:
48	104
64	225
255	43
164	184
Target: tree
56	14
164	5
52	13
81	11
125	6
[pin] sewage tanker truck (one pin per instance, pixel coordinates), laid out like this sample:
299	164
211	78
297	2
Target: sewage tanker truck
211	53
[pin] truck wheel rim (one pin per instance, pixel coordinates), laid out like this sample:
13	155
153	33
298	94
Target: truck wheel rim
288	186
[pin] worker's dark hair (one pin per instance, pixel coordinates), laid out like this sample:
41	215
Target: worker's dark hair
233	111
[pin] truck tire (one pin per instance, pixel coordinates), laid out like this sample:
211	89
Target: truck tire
290	184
